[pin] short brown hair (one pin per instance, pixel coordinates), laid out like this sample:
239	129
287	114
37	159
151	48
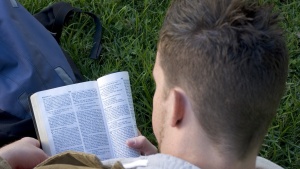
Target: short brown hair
231	58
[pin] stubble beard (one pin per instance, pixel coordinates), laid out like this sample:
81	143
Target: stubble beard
162	132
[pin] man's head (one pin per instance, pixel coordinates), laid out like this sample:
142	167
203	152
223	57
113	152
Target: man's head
230	59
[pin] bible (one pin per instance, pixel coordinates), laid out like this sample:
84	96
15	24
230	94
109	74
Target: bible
95	117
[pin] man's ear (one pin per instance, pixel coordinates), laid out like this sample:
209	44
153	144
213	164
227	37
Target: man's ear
178	106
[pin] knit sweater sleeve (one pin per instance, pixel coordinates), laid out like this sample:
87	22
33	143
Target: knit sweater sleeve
4	164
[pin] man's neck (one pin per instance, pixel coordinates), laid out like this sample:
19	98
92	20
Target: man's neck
189	144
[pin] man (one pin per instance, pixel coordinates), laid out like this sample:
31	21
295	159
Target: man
220	73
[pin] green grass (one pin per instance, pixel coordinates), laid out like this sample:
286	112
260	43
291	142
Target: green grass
130	32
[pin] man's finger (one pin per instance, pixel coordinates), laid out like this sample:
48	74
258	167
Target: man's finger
31	140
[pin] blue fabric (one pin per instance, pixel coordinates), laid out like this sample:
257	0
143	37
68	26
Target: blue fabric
29	56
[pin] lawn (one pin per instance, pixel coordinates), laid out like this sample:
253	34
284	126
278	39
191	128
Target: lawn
130	32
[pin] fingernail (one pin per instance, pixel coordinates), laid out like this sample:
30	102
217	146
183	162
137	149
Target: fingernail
131	141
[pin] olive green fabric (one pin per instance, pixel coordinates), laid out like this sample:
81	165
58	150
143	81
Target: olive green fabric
4	164
75	160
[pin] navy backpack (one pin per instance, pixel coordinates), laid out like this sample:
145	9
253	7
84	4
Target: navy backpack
31	60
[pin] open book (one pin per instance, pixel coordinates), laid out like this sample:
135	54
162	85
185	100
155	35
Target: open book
94	117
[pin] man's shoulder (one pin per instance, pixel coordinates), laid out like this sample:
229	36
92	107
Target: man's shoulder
156	161
165	161
262	163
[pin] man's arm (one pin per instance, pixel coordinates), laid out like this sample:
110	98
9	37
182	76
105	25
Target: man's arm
142	144
24	153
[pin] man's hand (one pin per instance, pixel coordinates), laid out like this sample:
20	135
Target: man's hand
23	154
142	144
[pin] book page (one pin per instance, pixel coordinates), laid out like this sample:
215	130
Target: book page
71	116
118	109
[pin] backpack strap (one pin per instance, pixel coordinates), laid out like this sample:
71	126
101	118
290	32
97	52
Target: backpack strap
55	16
